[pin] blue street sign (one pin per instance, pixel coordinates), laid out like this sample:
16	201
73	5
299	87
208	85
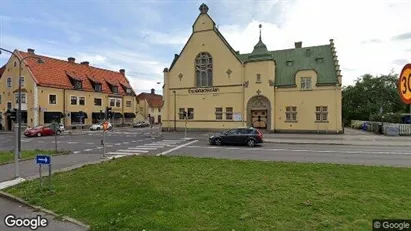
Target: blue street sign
43	159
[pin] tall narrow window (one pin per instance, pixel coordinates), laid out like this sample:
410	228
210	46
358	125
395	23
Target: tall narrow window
190	112
73	100
8	82
204	70
218	113
22	81
321	114
305	83
228	113
181	113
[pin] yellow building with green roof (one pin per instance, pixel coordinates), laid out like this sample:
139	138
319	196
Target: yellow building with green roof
294	90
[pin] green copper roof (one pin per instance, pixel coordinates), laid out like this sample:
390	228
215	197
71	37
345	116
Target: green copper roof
290	61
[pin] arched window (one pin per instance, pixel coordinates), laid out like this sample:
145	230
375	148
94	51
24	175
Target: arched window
204	70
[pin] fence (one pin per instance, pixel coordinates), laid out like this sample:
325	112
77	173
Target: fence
389	129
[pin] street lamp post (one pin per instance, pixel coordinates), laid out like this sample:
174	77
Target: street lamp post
18	132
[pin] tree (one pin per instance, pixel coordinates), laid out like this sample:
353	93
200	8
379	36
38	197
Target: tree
364	99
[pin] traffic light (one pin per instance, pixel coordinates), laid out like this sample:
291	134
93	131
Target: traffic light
109	113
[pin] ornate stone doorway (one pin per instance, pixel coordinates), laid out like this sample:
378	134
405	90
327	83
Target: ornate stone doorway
259	112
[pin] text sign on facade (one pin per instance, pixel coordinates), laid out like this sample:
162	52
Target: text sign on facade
404	85
203	90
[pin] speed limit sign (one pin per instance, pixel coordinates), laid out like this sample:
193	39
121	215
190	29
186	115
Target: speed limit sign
404	85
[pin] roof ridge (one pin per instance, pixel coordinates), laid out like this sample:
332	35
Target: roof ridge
62	60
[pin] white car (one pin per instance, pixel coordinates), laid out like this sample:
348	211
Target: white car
96	127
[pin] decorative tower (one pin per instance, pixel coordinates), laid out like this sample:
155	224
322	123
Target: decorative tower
203	8
260	51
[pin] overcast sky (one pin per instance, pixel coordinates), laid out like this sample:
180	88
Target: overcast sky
371	36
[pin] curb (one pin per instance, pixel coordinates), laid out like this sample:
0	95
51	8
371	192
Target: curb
23	202
341	144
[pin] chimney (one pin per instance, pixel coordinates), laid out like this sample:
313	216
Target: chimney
152	91
30	51
123	72
86	63
71	60
298	44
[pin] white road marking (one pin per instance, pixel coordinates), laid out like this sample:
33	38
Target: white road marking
109	146
146	148
122	153
75	152
132	150
125	142
117	144
72	142
134	141
306	150
99	147
6	184
87	150
176	148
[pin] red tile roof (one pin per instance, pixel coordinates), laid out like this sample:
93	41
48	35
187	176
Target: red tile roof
57	73
2	69
153	100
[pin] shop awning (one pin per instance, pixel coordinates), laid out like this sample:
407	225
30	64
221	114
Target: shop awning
129	115
79	114
50	115
97	115
118	115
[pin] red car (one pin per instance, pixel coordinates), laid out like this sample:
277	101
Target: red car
40	131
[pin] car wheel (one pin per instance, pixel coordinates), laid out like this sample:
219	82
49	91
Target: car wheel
58	132
98	128
217	141
38	134
250	143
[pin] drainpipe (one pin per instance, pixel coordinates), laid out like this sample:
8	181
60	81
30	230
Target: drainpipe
64	108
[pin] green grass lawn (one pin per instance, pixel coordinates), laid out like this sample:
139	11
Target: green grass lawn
8	156
183	193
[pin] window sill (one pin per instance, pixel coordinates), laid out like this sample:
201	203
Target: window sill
322	121
291	121
258	82
306	89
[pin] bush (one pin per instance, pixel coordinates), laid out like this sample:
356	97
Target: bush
389	117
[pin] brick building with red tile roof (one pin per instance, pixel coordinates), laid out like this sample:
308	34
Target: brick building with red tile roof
149	105
75	93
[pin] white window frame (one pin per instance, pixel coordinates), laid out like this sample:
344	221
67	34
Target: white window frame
109	102
304	83
76	100
56	99
292	114
119	100
101	101
84	100
128	103
219	113
9	80
16	98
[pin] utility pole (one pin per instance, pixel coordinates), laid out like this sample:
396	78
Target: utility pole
185	126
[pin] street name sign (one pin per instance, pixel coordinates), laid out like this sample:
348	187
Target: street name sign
404	85
43	159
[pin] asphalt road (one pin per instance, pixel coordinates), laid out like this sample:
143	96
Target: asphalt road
340	154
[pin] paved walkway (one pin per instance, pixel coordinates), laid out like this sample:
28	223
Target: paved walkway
20	211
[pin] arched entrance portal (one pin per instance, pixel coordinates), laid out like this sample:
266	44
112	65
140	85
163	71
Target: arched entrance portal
259	112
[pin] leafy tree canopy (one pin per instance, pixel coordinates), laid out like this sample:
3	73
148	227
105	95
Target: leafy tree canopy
363	100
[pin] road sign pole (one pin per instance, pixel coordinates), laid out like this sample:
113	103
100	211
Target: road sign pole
50	175
41	179
104	143
16	156
185	129
55	137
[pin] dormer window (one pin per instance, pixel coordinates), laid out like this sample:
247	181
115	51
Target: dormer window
114	89
98	87
128	91
78	85
319	60
289	63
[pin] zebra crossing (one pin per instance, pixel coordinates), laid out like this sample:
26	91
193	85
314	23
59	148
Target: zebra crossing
144	149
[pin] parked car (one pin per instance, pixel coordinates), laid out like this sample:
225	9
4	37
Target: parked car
40	131
96	127
141	124
248	136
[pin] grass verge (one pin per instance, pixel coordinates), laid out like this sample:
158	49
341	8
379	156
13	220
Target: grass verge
7	157
184	193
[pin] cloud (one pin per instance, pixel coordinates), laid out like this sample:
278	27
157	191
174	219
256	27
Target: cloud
371	41
403	36
400	62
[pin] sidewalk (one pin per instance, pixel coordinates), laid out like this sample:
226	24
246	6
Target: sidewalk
339	142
